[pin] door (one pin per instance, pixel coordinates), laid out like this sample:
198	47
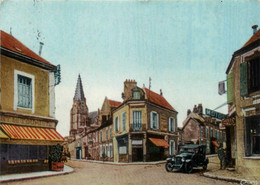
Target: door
137	154
78	153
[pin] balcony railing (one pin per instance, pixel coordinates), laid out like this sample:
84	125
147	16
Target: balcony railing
137	127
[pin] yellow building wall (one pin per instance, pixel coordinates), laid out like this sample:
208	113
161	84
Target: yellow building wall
129	120
41	86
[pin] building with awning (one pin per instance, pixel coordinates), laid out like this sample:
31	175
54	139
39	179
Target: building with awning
144	126
27	108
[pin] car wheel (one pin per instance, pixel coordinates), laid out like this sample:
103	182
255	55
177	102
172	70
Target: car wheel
188	168
168	167
205	166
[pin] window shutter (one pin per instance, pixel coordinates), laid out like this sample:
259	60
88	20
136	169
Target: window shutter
230	87
243	79
151	119
247	137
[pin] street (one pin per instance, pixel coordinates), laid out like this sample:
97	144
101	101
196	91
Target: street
96	173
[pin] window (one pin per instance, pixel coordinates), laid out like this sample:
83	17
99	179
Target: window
136	94
107	133
216	134
100	151
211	132
207	131
111	149
106	149
23	90
123	121
137	120
252	135
116	124
171	124
154	120
208	147
201	131
172	147
250	76
100	133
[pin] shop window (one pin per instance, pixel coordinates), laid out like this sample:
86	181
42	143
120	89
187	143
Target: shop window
211	132
201	131
106	133
252	135
24	152
171	124
111	149
14	152
250	76
207	131
33	151
154	120
100	151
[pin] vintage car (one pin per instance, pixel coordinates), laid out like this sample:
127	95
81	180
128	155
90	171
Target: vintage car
190	156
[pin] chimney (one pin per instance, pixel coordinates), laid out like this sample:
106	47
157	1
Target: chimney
200	109
188	112
195	109
161	93
128	86
254	27
40	50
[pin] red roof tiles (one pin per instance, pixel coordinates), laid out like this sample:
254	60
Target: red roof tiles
158	99
113	103
9	42
255	37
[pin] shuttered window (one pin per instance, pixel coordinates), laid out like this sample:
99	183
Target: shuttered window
243	79
154	120
230	87
137	120
123	121
24	91
254	75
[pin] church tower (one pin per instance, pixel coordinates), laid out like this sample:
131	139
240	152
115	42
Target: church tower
79	112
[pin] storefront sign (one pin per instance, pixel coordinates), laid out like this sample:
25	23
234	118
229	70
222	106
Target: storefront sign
122	150
215	114
137	142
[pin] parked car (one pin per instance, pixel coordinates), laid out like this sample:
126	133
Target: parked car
190	156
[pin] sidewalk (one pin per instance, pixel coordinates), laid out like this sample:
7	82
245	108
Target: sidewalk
227	175
33	175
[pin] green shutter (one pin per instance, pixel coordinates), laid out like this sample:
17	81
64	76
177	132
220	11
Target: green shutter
243	79
230	87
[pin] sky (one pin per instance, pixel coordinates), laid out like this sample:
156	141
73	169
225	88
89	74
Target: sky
184	46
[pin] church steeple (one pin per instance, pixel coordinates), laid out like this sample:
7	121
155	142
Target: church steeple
79	93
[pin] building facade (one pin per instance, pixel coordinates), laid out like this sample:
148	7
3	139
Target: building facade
202	129
27	108
144	126
243	97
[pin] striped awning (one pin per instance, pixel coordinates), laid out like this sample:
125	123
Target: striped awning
159	142
3	135
31	133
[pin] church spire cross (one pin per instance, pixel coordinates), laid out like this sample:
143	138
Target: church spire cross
79	93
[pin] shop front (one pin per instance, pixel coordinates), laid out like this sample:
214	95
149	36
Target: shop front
26	149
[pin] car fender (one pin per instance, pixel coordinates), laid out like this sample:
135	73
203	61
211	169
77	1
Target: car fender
188	160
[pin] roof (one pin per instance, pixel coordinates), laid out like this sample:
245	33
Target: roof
79	93
254	38
158	99
93	116
191	146
253	42
114	103
9	42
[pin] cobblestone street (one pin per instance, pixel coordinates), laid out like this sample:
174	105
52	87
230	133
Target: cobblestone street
96	173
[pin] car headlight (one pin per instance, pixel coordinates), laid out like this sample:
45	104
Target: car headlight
182	160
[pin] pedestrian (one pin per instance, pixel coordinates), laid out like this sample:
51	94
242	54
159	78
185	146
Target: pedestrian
221	155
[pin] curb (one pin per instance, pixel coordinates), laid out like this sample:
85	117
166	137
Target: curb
230	179
36	177
119	164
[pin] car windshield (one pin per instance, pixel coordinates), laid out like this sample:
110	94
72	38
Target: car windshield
187	150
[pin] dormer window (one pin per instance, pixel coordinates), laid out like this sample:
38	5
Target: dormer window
136	94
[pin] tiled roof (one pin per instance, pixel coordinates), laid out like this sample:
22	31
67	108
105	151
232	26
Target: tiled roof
9	42
158	99
255	37
93	116
114	103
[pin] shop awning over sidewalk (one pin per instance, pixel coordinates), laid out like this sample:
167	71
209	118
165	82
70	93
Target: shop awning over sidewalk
31	133
3	135
159	142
